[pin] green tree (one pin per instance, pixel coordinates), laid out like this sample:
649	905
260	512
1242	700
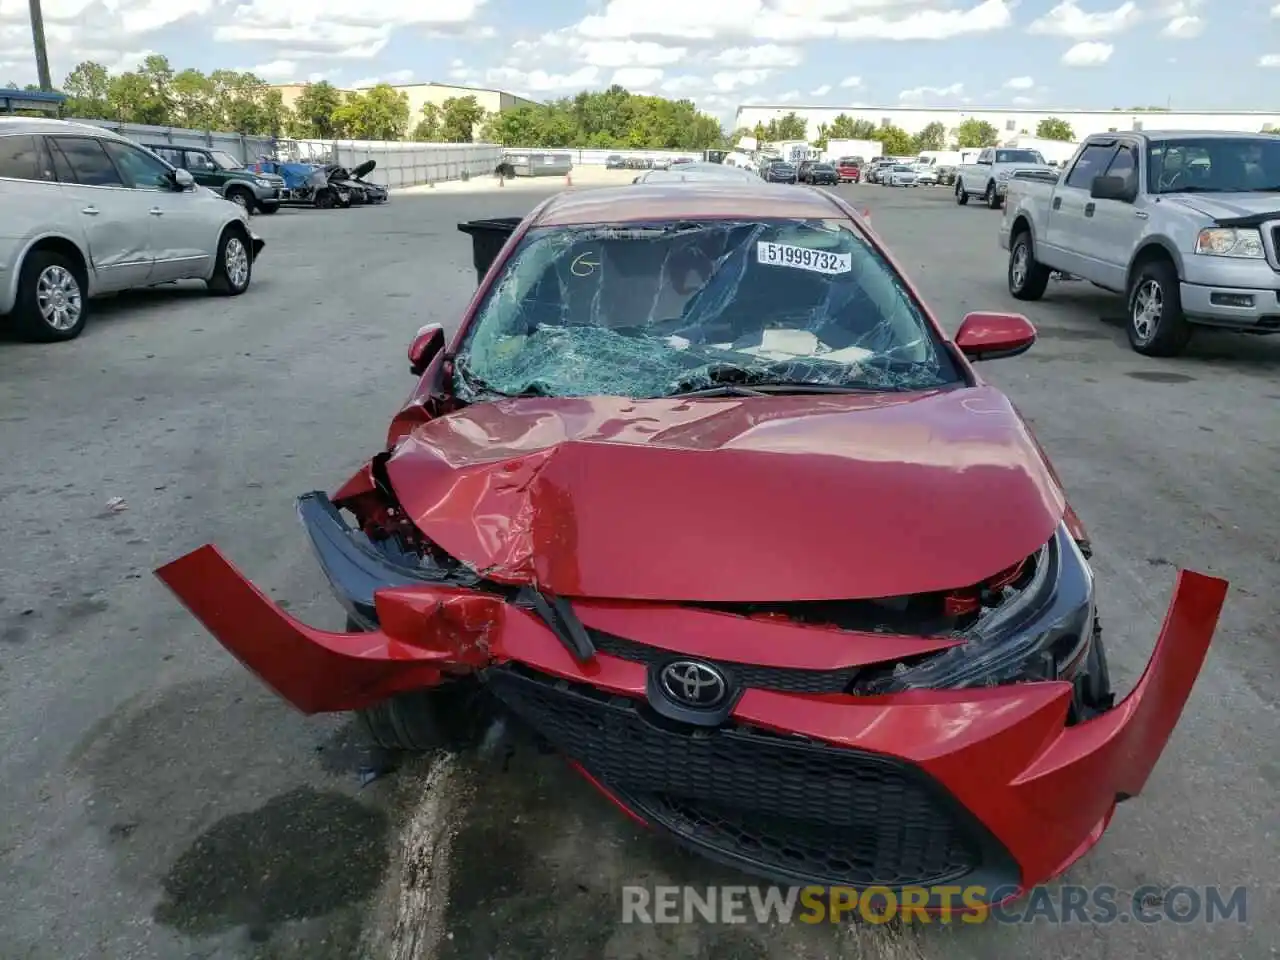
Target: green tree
129	99
429	127
1052	128
895	141
932	137
193	104
379	113
790	127
86	88
314	109
459	118
976	133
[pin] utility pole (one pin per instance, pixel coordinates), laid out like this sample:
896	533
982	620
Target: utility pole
42	54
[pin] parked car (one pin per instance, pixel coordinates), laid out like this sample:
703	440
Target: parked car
1184	225
307	184
988	176
614	162
915	696
780	172
821	173
926	175
85	212
225	175
878	170
848	170
899	175
946	175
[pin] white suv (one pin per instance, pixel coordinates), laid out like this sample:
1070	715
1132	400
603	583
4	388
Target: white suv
84	211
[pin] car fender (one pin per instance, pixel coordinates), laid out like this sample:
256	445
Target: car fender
10	291
1164	243
228	221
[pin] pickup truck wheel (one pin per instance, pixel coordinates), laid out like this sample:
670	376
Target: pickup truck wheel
1157	326
961	197
992	197
1028	279
422	720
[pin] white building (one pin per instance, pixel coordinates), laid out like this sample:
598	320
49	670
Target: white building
1011	122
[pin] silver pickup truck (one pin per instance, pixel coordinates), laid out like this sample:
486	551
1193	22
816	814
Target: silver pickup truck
1185	225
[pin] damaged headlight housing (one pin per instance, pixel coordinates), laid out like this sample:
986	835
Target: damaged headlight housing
1035	632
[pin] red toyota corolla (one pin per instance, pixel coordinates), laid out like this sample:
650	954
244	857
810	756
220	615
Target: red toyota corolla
702	494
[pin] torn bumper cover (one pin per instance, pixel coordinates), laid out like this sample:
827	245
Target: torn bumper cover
799	782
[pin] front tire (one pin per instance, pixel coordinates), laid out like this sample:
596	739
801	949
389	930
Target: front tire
1028	279
962	198
234	269
52	304
421	720
992	197
268	208
241	198
1157	326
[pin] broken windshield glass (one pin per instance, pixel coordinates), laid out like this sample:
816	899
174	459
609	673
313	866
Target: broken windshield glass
661	309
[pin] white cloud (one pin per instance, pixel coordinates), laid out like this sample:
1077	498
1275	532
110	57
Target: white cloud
788	21
766	55
277	71
393	78
1184	28
337	28
683	84
1068	20
633	77
1269	60
821	91
1275	11
791	96
727	81
1019	83
540	81
1023	101
849	82
1091	53
627	53
919	94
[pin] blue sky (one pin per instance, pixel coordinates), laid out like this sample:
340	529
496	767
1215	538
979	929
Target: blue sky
1218	54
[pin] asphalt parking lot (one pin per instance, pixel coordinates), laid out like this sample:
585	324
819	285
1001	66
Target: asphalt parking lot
157	802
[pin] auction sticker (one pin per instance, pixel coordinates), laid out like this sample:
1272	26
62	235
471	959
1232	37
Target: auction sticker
802	258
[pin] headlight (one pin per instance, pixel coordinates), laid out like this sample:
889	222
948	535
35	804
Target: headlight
1230	242
1004	175
1035	632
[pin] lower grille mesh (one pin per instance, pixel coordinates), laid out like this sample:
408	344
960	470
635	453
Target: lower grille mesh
789	808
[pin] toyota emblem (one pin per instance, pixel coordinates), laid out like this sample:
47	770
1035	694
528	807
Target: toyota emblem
693	684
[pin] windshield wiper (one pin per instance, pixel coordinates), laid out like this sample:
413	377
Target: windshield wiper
767	388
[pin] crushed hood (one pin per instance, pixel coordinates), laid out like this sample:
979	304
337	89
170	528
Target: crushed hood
363	169
732	500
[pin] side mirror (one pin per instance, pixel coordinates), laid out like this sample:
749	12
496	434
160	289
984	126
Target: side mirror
182	180
1113	188
994	336
426	346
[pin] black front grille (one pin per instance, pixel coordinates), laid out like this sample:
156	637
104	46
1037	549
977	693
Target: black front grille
788	808
783	679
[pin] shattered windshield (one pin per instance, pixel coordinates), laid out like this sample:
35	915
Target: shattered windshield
661	309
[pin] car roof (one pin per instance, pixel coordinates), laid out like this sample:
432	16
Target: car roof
50	127
1188	135
699	197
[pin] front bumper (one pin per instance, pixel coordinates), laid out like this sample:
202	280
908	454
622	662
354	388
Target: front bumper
1238	308
799	782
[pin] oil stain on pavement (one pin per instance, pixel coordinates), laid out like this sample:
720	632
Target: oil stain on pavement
303	854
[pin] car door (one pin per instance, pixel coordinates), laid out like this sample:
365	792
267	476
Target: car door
204	170
979	172
1069	233
182	235
1115	226
116	223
